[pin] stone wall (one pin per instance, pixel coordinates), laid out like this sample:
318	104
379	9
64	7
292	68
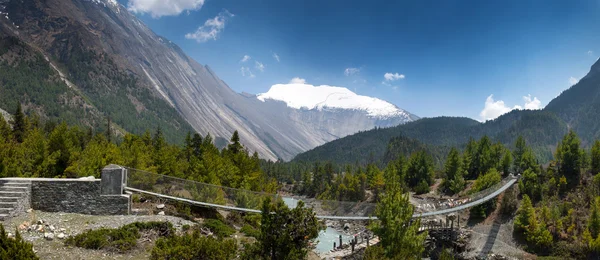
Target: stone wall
76	196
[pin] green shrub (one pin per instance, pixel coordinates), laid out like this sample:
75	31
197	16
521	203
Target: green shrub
121	239
136	198
219	228
253	220
250	231
194	246
422	187
15	248
185	227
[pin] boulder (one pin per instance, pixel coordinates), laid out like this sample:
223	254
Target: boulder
49	236
346	226
162	213
61	235
160	206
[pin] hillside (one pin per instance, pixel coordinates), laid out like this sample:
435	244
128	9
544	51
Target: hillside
69	80
578	106
541	129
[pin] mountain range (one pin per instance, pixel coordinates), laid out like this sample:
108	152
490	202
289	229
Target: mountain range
81	61
576	108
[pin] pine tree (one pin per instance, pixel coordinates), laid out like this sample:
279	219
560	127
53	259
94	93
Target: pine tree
420	168
234	146
197	145
108	132
285	233
482	160
594	220
397	232
596	157
19	126
520	149
524	215
454	181
569	158
506	163
5	130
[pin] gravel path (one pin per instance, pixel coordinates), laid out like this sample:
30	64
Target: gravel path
495	238
75	224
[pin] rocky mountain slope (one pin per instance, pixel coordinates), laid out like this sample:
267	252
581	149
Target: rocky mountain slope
141	80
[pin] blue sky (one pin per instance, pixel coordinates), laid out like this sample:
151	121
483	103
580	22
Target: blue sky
444	57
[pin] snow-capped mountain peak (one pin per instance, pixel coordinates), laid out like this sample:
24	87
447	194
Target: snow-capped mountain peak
300	95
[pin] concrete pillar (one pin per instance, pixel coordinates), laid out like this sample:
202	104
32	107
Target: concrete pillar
113	180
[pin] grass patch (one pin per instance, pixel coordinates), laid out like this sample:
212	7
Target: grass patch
121	239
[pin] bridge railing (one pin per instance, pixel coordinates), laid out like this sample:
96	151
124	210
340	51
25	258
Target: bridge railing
244	200
436	205
203	193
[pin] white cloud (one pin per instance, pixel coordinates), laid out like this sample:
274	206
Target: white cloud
351	71
573	81
532	104
393	76
590	52
297	80
246	72
494	109
211	28
386	84
259	66
158	8
245	58
275	56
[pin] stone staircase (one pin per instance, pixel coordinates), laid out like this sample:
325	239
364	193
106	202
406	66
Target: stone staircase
14	197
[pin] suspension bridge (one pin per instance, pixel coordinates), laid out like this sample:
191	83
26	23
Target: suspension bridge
214	196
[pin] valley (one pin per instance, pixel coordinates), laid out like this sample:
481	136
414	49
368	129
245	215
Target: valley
321	161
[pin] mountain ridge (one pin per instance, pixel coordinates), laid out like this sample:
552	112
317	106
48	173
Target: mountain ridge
142	81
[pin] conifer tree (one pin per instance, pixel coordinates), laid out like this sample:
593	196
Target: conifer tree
397	232
596	157
19	126
108	129
234	146
594	220
520	149
454	181
569	158
524	215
